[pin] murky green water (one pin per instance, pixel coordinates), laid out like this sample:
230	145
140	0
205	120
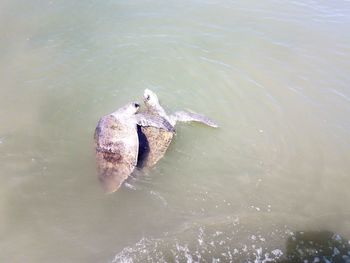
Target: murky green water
274	75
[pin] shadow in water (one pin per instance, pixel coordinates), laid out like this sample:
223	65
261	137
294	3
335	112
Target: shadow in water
317	246
208	244
143	148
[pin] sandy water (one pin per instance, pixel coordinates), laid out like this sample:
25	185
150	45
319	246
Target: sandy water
274	75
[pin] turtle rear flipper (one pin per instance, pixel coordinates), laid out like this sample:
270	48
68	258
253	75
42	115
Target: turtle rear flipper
186	116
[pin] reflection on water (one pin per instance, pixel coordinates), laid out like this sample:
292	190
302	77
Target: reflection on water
273	74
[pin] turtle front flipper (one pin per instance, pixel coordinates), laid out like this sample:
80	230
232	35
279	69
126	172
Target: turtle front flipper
145	119
186	116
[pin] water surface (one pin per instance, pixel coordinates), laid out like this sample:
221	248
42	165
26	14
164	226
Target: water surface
274	75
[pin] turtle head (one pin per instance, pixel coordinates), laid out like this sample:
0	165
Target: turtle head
132	107
150	98
129	109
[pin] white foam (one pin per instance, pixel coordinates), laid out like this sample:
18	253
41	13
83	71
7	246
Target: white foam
277	252
160	197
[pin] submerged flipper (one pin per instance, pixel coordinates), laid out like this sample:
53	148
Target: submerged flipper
186	116
145	119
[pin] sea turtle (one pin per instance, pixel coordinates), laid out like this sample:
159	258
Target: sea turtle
153	141
117	143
